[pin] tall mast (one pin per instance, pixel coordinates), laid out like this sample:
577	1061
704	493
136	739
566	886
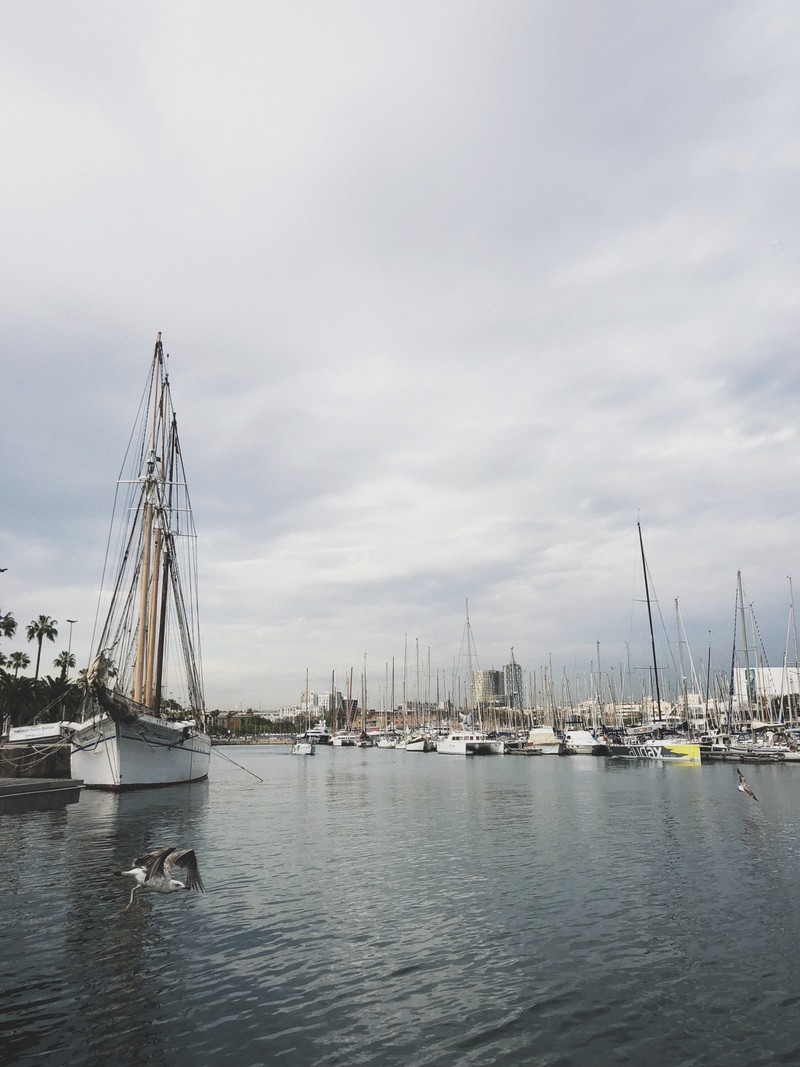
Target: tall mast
744	638
333	708
792	699
144	642
405	671
164	548
364	698
650	620
470	671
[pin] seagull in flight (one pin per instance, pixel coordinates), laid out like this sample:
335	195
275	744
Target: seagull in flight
154	871
743	787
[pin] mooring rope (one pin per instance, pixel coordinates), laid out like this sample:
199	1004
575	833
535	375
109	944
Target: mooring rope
215	750
42	751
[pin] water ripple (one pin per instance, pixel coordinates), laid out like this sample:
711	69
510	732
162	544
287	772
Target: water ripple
393	909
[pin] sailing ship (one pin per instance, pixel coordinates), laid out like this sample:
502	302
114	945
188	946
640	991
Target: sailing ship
143	719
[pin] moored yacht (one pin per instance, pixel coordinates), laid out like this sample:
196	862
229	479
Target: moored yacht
469	743
583	743
545	740
670	749
319	734
419	742
349	740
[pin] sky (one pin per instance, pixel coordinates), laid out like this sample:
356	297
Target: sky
455	295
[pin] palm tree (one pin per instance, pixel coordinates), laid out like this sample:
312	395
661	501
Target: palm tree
8	625
37	630
19	661
58	699
19	701
64	660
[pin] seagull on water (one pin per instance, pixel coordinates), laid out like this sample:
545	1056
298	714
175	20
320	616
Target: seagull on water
743	787
154	871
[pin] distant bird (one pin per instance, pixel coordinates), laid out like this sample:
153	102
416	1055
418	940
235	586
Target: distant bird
154	871
743	787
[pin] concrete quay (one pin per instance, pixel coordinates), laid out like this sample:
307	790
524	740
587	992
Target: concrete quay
36	794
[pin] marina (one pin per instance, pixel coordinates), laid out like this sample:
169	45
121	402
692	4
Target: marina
481	315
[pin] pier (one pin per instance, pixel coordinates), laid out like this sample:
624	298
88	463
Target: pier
35	794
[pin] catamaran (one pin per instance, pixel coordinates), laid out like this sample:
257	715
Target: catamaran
144	713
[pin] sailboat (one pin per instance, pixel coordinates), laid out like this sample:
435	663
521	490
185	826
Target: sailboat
305	746
143	719
469	740
648	742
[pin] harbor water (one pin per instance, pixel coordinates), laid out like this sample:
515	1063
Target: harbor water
392	908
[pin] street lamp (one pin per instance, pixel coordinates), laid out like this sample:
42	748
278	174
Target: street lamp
69	646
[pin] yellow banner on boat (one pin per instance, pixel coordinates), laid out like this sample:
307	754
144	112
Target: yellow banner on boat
688	752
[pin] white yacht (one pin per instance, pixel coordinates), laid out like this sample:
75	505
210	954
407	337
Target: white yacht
583	743
319	734
545	740
469	743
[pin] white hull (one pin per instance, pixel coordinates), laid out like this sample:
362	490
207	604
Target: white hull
303	748
345	741
583	743
469	744
318	734
418	743
145	753
42	733
545	740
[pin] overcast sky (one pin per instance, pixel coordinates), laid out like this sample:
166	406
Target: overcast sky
454	293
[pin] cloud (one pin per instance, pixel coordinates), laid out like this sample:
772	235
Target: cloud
454	293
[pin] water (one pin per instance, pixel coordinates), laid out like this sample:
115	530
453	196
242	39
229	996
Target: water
380	907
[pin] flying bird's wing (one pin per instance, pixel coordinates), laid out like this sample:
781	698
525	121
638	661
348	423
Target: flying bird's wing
745	788
147	859
186	859
155	861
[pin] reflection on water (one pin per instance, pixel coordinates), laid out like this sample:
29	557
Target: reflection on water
400	908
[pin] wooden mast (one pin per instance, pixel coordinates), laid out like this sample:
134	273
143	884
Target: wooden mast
164	548
143	644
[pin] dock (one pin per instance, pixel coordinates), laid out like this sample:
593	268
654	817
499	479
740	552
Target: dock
36	794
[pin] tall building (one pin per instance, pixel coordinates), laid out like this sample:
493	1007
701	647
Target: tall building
514	686
488	688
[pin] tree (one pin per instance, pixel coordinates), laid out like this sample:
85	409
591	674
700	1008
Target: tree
64	660
37	630
58	699
8	624
18	700
19	661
